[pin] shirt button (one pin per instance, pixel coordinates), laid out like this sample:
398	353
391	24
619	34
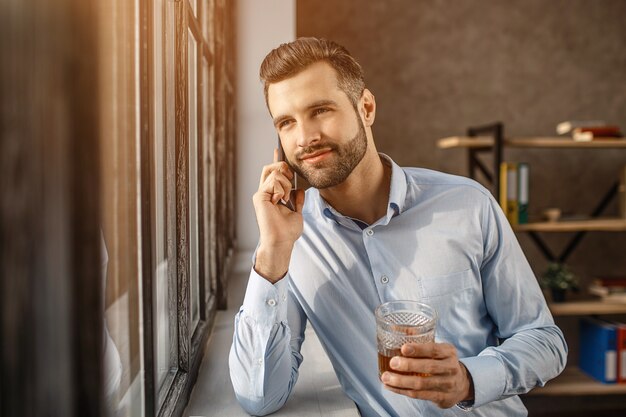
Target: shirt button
369	232
260	361
384	279
271	302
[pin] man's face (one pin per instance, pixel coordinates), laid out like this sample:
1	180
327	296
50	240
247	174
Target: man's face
322	135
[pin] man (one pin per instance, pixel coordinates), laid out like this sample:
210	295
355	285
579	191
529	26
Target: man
369	232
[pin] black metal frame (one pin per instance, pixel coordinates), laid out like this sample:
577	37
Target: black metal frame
497	131
608	197
475	164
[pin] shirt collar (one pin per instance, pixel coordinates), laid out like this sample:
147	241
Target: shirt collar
397	196
397	191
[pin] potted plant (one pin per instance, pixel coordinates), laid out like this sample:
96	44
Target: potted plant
558	279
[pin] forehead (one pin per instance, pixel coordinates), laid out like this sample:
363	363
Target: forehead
316	82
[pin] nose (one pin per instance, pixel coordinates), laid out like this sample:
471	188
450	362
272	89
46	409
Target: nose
308	134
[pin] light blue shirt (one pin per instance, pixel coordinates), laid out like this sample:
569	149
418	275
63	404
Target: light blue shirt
444	241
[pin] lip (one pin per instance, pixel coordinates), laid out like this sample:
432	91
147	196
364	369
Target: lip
316	156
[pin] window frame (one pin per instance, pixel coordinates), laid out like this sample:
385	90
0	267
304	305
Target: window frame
179	16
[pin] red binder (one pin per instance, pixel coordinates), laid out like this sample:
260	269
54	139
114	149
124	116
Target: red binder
621	353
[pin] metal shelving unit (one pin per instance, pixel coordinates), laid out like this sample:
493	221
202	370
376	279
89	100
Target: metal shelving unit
490	139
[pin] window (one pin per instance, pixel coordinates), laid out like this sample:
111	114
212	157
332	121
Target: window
121	132
123	362
163	223
192	94
161	179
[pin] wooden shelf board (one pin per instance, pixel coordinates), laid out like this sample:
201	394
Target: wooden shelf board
564	142
597	225
575	382
465	142
577	308
529	142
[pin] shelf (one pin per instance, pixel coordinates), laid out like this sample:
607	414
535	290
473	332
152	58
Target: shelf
586	225
491	139
530	142
577	308
465	142
574	382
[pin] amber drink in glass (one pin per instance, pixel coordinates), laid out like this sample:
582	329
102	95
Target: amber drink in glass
400	322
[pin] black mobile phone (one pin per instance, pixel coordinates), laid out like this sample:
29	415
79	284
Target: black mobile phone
294	182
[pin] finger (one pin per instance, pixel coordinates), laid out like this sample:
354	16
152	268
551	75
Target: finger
418	383
419	365
441	399
281	167
284	182
276	185
276	155
280	192
272	188
428	350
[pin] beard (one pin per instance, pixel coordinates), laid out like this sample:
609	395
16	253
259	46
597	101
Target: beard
335	171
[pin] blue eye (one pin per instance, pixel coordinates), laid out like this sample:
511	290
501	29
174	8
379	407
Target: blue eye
320	110
283	123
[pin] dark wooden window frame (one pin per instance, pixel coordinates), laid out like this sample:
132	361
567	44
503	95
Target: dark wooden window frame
189	348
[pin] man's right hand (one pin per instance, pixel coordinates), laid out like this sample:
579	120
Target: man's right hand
279	227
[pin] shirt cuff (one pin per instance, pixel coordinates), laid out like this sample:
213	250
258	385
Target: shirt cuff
264	301
488	376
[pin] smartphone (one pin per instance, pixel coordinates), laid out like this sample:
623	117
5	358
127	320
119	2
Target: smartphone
294	182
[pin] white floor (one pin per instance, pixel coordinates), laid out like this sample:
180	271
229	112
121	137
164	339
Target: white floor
317	392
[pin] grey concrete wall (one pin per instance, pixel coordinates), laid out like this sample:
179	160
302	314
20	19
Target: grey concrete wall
437	67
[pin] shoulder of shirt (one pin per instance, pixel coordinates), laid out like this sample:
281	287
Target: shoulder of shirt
423	177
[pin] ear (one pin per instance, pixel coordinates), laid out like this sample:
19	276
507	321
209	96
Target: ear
367	106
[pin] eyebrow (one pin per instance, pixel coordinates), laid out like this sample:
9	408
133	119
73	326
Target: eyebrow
319	103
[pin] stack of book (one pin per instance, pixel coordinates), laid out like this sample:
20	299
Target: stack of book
514	183
612	289
588	130
603	350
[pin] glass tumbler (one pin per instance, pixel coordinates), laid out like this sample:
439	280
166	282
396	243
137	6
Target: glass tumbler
400	322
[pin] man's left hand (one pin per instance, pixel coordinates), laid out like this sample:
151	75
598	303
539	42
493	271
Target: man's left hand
447	382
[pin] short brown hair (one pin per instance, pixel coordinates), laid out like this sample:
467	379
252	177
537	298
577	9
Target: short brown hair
290	58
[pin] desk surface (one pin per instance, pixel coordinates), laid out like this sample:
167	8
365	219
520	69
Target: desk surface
317	392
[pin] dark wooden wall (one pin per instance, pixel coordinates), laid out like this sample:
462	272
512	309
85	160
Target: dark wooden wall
50	328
